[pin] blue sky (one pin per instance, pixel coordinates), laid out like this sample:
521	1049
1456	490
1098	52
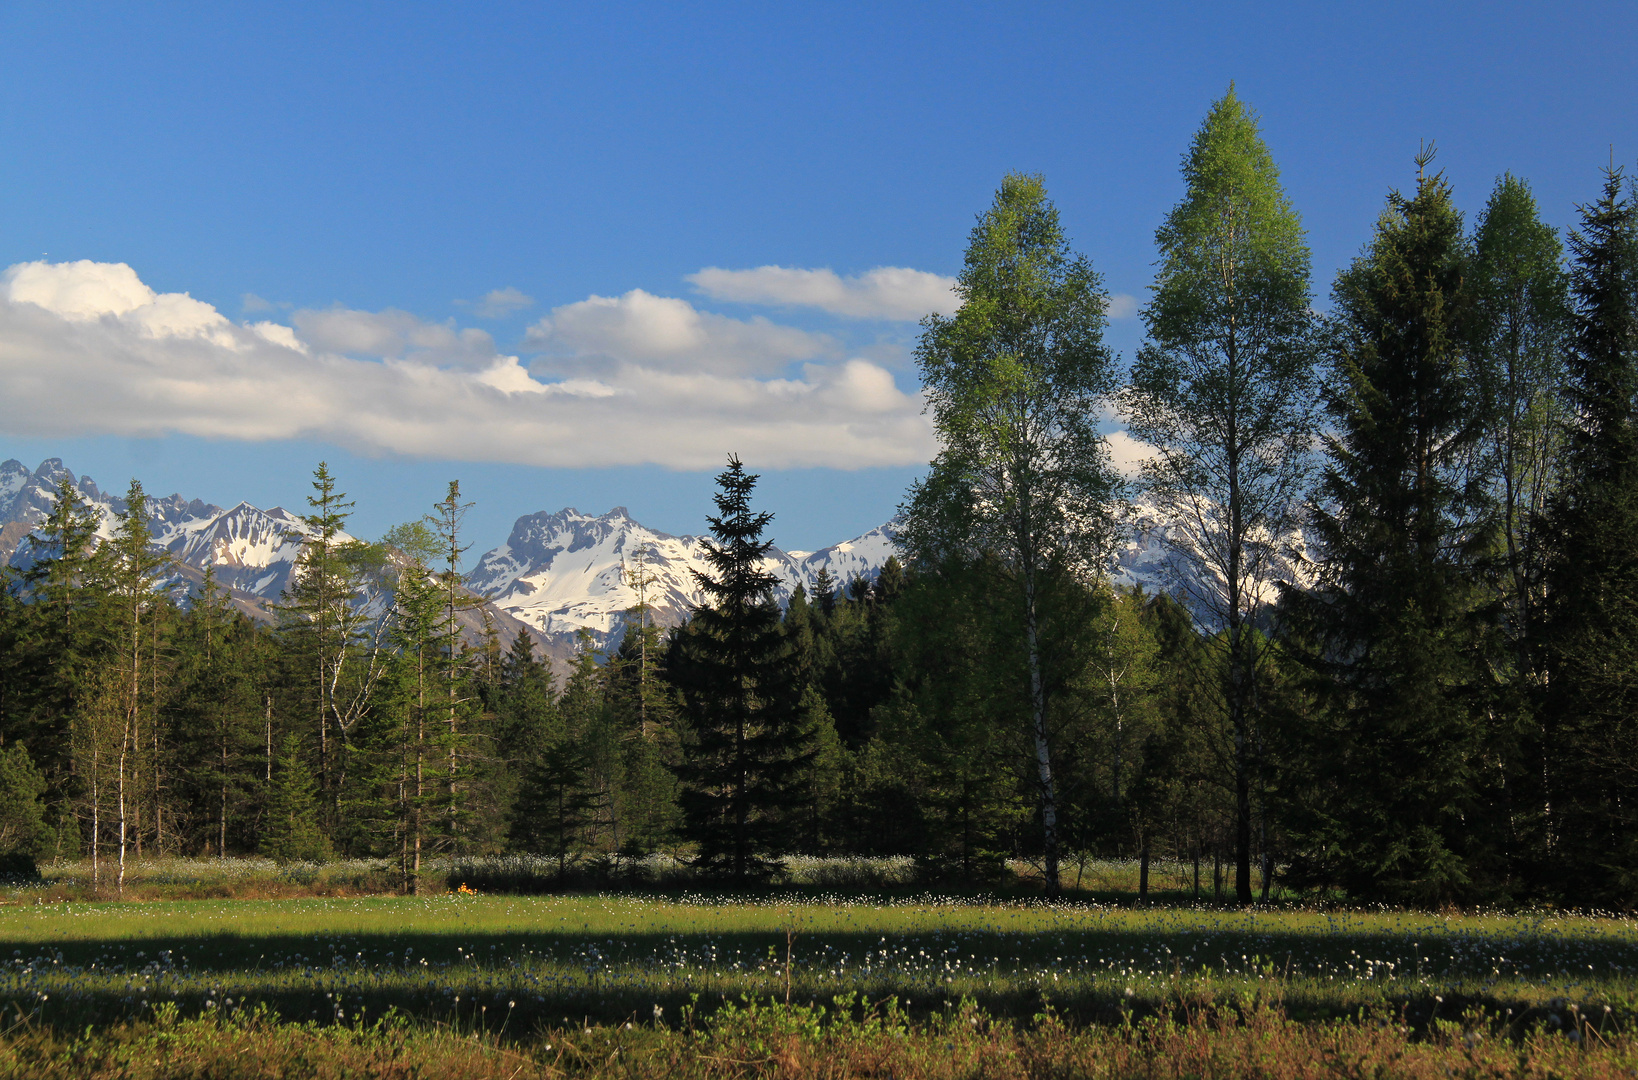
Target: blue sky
360	178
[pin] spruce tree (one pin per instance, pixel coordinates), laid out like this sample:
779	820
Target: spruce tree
334	662
69	697
23	828
1223	392
553	807
1591	800
422	643
741	698
526	705
290	831
824	592
1402	522
218	727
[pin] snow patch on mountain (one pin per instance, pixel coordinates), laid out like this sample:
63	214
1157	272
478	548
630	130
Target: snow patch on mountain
570	571
1161	555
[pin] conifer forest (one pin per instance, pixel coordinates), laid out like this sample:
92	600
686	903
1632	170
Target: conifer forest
1400	663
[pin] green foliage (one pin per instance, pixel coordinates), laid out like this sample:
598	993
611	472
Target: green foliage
741	698
1015	380
1224	393
291	831
330	662
23	829
1590	737
1396	620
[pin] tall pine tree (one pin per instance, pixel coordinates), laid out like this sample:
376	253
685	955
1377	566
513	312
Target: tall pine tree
741	697
1591	799
1395	612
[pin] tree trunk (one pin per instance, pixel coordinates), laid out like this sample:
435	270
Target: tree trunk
124	741
96	818
1043	749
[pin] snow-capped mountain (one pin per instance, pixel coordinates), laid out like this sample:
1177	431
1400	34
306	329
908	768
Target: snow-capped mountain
568	571
253	551
1150	557
557	573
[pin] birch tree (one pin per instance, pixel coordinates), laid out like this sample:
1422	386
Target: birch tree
1224	393
1015	380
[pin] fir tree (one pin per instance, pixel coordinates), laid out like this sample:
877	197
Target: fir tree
66	637
526	706
23	827
420	634
1395	613
824	592
740	696
290	831
553	806
218	724
1590	802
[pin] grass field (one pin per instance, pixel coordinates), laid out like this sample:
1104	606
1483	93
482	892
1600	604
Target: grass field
227	968
520	963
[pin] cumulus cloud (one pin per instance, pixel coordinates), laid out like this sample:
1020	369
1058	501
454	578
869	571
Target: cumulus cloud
887	292
665	333
85	291
87	348
393	334
499	303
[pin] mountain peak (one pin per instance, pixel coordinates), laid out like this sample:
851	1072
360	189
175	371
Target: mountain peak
564	572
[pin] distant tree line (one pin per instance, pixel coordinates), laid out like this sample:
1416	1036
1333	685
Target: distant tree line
1399	662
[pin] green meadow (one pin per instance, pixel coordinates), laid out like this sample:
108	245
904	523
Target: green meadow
516	964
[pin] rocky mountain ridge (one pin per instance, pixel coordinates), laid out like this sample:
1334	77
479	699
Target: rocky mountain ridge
557	573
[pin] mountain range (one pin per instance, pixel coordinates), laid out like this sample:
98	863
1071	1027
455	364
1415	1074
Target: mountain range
556	574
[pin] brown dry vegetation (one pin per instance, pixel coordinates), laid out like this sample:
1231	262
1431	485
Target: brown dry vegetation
796	1043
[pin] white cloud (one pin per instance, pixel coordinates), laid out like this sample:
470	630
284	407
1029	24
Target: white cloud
395	335
499	303
1127	454
666	333
1122	306
86	348
888	292
278	334
80	291
86	291
250	302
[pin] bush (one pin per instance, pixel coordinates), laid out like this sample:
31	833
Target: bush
18	867
22	811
